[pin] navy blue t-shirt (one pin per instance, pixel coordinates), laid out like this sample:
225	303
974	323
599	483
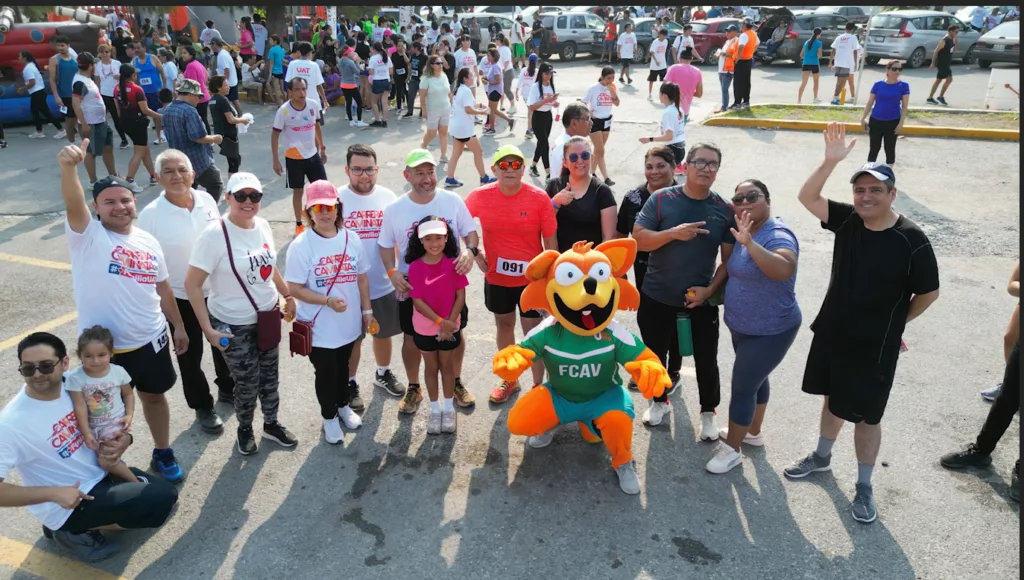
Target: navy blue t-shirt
888	100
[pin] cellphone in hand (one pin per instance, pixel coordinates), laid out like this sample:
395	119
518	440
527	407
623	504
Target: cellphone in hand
64	110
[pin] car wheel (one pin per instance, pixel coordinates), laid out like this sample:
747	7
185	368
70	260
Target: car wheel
982	63
916	59
711	59
568	51
871	60
969	56
640	53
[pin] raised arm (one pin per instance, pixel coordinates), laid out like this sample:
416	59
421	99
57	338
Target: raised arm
71	188
836	149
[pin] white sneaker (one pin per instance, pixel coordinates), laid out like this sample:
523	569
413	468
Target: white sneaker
724	460
443	159
434	423
352	123
37	135
650	97
655	412
332	431
748	439
61	134
349	418
448	421
628	480
817	101
512	110
708	430
362	124
135	187
543	440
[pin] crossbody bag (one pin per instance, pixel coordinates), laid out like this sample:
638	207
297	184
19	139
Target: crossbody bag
300	338
268	322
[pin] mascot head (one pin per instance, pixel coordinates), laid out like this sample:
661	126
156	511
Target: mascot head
584	286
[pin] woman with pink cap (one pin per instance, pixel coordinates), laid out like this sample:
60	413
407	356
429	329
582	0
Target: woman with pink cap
326	273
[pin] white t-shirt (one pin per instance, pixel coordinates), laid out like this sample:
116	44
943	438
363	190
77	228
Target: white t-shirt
673	120
978	16
170	73
463	59
298	129
102	394
255	256
457	28
308	70
599	99
517	33
557	153
535	95
260	38
682	43
114	279
111	21
461	126
505	57
31	71
381	70
432	36
176	229
844	48
364	215
658	54
224	61
316	261
627	44
42	441
404	213
526	82
207	36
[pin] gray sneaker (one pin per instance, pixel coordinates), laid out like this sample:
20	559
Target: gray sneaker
628	480
90	546
448	421
808	465
863	507
209	421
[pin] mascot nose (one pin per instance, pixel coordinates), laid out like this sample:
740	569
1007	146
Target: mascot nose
590	285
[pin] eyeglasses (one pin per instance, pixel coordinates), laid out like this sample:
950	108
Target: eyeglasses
253	196
705	164
362	170
322	208
436	63
513	165
45	367
574	157
748	198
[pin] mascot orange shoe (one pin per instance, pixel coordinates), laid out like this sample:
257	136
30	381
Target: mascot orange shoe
581	347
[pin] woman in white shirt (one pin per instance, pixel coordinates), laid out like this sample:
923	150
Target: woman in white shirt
527	76
601	98
672	124
170	67
37	97
464	111
326	273
381	71
436	98
244	281
542	98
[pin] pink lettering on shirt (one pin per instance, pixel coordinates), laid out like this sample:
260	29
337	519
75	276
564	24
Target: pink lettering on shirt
138	265
366	223
66	438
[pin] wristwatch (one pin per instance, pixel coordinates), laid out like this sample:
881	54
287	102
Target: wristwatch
475	251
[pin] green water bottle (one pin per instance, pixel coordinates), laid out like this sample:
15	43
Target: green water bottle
684	334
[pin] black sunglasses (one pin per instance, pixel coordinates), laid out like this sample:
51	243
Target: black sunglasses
45	367
896	68
240	196
748	198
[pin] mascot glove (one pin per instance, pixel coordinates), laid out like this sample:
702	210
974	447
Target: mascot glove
650	377
512	361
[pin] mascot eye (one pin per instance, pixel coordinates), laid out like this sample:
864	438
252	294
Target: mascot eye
567	274
600	272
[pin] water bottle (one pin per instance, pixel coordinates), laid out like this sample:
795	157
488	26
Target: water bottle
685	334
225	341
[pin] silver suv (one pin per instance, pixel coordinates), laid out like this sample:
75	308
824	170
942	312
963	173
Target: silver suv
570	33
912	35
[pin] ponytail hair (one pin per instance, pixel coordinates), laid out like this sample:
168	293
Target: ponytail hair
126	73
27	56
671	90
532	68
380	50
814	36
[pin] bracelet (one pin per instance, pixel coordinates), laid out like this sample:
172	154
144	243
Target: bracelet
391	272
553	204
367	312
287	297
439	320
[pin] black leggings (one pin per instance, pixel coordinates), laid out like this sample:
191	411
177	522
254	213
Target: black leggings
234	163
542	130
112	109
330	367
129	505
40	111
203	109
401	92
1006	405
878	132
353	96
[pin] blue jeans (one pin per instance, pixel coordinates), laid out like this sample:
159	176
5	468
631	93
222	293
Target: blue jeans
773	47
725	79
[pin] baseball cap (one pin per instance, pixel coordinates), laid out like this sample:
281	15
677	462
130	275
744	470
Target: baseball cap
533	58
507	151
189	87
418	157
431	227
731	28
545	67
108	182
244	180
879	171
323	192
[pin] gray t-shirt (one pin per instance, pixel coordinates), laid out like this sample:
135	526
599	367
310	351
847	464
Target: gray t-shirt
754	303
349	71
679	265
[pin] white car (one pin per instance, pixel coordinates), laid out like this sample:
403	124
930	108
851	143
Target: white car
509	11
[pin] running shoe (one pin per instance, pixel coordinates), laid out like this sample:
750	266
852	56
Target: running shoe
991	394
490	131
628	481
356	402
410	402
376	123
942	101
362	124
533	171
608	181
487	179
246	441
529	134
299	228
969	457
463	397
931	101
511	125
655	412
452	182
835	101
389	383
748	439
808	465
503	392
407	115
449	421
443	159
61	134
708	430
724	460
650	97
543	440
91	546
863	507
153	181
165	462
332	431
349	418
135	187
37	135
434	423
278	433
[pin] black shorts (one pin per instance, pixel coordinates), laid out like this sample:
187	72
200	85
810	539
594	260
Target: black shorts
279	76
302	171
137	130
656	75
678	151
494	96
857	384
233	93
405	309
68	105
463	139
431	344
149	366
625	62
812	68
944	72
505	300
600	125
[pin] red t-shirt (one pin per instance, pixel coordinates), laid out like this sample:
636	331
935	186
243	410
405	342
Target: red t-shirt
133	94
512	228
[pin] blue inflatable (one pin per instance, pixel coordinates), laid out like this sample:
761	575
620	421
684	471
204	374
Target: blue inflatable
14	107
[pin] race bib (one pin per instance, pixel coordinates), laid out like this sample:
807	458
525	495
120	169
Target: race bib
511	267
415	73
399	71
160	342
145	81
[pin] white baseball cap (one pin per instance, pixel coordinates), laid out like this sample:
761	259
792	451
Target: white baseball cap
244	180
431	227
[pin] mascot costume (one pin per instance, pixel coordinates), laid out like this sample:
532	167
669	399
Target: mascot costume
581	347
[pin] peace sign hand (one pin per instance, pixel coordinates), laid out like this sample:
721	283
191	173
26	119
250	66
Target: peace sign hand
836	148
742	230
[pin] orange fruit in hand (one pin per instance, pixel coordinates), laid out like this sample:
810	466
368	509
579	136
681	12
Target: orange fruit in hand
374	328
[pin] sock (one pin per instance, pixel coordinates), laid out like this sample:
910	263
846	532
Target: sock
351	379
298	222
381	371
864	473
824	447
449	405
435	406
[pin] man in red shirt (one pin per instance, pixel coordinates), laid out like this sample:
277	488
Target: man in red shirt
517	223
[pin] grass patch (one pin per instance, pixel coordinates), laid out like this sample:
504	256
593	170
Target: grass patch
918	117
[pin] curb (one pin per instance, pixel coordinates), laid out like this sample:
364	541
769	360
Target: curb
915	130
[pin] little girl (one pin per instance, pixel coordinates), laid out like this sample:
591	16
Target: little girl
102	394
438	295
673	125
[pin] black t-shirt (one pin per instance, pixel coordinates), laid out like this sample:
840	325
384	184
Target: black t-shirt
401	64
220	105
538	29
494	28
417	66
363	50
580	221
121	48
874	275
630	207
450	71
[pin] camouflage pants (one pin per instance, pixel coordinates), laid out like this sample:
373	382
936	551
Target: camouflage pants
254	372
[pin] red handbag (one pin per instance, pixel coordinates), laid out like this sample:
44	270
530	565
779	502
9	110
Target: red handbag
268	322
300	338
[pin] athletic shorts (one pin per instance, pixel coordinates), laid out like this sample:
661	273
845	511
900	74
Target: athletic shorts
518	50
137	130
812	68
536	42
678	151
600	125
842	72
233	93
405	309
149	366
385	311
100	138
279	76
656	75
431	344
609	45
944	72
625	62
616	398
379	87
494	96
435	119
505	300
67	105
153	100
463	139
857	384
302	171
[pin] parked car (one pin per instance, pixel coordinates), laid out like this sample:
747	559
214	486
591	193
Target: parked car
466	18
709	36
394	12
643	28
964	14
801	28
1001	44
507	10
569	33
529	11
912	35
851	13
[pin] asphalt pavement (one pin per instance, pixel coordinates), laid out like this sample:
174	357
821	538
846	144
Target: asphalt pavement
392	502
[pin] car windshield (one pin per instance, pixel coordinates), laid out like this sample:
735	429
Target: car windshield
1007	29
886	21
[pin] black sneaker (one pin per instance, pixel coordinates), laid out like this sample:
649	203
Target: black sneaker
942	101
91	546
511	125
277	432
376	124
357	402
407	115
533	171
246	441
969	457
384	124
931	101
608	181
389	383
